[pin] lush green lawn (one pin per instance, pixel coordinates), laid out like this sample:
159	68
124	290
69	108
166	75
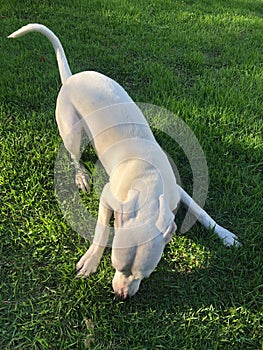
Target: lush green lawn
202	60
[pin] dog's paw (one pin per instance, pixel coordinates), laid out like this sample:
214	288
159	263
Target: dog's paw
89	262
229	239
82	180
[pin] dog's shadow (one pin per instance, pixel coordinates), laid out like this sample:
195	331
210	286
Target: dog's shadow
192	274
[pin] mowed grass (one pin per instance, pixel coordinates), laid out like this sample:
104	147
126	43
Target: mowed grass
203	62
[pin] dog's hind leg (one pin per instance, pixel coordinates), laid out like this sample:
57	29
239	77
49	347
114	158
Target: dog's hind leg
71	129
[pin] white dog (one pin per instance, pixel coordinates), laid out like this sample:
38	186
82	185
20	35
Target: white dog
142	190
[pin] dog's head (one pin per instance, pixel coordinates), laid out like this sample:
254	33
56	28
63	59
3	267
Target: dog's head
132	264
141	233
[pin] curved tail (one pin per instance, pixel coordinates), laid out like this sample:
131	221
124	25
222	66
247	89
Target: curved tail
63	66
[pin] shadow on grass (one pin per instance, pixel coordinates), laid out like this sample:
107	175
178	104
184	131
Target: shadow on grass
184	308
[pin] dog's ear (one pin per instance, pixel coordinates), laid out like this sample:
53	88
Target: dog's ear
129	208
165	222
123	211
108	198
168	234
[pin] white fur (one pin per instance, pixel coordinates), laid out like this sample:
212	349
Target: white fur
142	190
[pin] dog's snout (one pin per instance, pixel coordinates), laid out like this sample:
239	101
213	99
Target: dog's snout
121	294
124	286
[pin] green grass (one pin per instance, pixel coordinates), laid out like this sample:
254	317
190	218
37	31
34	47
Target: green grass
202	60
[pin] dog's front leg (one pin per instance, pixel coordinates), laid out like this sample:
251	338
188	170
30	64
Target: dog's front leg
91	259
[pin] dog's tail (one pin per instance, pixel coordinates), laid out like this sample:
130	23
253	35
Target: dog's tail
63	66
228	238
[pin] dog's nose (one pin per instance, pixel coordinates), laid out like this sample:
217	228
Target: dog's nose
121	294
